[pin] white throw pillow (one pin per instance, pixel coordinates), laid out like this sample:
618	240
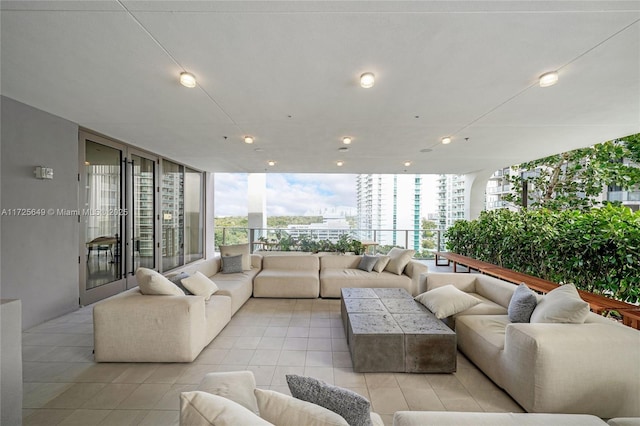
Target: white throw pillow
200	285
204	409
382	262
398	259
285	410
446	301
237	249
561	305
151	282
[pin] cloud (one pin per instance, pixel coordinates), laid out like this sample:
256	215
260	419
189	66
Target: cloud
288	194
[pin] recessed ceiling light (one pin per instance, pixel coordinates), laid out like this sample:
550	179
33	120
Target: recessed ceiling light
248	139
446	140
271	163
343	149
407	163
367	80
548	79
339	163
187	79
346	140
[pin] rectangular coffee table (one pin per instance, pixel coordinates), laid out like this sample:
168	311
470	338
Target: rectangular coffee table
388	331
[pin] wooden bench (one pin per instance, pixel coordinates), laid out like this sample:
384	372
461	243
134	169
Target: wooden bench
597	303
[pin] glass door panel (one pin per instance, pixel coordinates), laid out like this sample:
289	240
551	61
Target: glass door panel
143	230
101	221
172	215
193	221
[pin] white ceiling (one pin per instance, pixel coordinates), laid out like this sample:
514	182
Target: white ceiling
287	73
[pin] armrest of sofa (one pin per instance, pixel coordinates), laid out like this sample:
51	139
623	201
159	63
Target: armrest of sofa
567	367
417	271
256	261
136	328
238	386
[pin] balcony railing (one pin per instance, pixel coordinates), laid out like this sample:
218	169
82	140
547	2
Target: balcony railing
378	240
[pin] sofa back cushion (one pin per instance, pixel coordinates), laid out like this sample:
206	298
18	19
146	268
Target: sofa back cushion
204	409
398	259
495	289
151	282
464	282
332	261
292	263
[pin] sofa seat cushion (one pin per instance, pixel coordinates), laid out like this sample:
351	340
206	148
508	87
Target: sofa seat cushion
217	312
485	307
332	280
452	418
481	338
284	283
238	286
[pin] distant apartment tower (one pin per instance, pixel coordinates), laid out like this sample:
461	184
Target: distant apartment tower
389	209
497	187
451	199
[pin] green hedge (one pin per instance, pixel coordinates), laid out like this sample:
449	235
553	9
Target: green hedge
598	250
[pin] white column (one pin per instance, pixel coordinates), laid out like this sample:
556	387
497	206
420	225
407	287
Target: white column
209	216
257	194
475	187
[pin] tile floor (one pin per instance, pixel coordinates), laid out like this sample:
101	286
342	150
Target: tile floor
271	337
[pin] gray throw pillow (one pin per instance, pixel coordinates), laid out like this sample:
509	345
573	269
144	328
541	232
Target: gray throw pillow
367	262
177	280
231	264
354	408
522	304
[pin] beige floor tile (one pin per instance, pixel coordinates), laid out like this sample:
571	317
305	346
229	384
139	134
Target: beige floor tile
387	400
280	373
265	357
461	404
124	418
102	373
46	417
337	333
319	359
145	397
422	399
279	322
412	381
262	373
238	356
167	373
339	345
32	353
381	380
68	354
161	418
452	393
136	373
320	332
319	321
295	343
320	373
253	331
279	331
362	391
292	358
110	396
212	356
444	381
496	401
342	359
222	342
271	343
44	372
84	417
300	322
246	342
319	344
171	399
231	331
194	373
76	395
346	377
298	331
37	395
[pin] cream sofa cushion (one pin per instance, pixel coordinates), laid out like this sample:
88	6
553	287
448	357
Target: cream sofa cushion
151	282
237	386
446	301
200	285
285	410
382	262
561	305
398	259
203	409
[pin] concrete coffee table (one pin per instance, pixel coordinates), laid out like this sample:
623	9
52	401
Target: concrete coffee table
388	331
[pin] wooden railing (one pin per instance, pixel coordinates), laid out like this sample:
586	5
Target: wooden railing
598	303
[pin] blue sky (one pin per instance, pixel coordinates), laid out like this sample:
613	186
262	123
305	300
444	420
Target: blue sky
288	194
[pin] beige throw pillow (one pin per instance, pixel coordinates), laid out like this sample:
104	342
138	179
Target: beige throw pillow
561	305
151	282
382	262
446	301
235	250
204	409
285	410
398	259
200	285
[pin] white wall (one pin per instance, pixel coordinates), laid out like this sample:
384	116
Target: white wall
40	253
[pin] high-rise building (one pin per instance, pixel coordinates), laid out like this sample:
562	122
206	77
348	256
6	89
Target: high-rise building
390	206
451	199
497	186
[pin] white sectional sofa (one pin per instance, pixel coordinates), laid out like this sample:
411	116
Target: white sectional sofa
451	418
132	327
591	368
288	277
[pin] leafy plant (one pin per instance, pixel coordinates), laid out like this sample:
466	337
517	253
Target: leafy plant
598	250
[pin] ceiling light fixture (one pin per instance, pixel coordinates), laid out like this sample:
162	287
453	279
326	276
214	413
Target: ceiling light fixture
548	79
248	139
187	79
446	140
367	80
407	163
339	163
346	140
271	163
